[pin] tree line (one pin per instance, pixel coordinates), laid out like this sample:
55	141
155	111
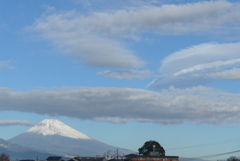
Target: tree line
4	157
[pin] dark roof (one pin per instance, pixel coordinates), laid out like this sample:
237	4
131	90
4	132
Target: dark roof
130	155
54	158
150	156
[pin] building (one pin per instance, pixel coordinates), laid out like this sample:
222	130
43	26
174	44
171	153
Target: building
88	159
154	158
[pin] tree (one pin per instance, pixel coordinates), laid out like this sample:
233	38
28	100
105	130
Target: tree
148	147
4	157
233	159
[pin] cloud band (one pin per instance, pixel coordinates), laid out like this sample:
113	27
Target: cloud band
117	105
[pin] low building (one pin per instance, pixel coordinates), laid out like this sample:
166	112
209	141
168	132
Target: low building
154	158
88	159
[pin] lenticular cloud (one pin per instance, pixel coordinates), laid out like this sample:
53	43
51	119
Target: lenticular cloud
95	38
199	65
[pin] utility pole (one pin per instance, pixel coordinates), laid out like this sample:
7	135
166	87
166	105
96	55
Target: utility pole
117	154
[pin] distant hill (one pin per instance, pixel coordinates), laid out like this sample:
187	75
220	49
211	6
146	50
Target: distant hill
20	152
55	137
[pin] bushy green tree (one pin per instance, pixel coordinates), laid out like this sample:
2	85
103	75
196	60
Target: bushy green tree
4	157
148	147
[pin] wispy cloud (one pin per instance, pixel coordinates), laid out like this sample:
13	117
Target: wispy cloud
16	122
198	65
96	38
171	106
127	74
70	32
4	65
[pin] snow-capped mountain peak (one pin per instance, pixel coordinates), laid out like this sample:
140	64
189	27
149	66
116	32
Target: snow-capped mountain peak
56	127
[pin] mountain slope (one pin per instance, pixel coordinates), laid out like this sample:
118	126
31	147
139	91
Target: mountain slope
19	152
55	137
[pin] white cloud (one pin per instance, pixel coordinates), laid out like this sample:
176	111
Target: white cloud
71	33
216	65
5	65
166	81
199	65
16	122
172	106
208	53
232	74
92	37
127	74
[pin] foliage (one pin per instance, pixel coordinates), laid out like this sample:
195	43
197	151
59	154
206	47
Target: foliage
148	147
233	159
4	157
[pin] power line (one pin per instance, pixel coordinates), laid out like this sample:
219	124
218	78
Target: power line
207	144
214	155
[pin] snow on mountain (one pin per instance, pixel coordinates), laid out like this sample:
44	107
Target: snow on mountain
56	127
55	137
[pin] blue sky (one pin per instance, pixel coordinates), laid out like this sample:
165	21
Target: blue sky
125	72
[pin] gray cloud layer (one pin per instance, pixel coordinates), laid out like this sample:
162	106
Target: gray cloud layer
183	18
16	122
172	106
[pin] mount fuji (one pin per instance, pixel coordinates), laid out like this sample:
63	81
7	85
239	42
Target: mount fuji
55	137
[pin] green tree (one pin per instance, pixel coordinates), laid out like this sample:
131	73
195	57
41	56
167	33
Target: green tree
4	157
148	147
